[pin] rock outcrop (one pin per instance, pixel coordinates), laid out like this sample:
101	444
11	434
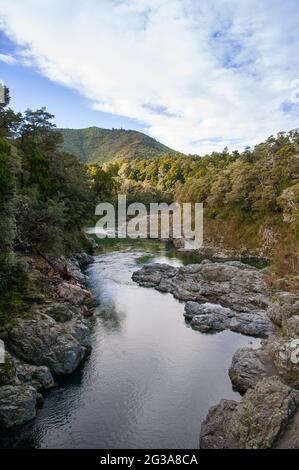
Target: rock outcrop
50	340
285	355
210	318
249	366
234	296
43	341
17	404
219	296
284	312
268	415
259	421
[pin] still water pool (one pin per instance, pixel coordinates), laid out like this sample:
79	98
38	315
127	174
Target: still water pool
149	380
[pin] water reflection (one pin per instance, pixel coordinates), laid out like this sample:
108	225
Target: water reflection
150	378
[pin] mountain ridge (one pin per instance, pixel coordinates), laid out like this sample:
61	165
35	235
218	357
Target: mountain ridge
98	145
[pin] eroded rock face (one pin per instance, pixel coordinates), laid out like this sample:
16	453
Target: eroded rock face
17	404
284	312
16	372
232	284
43	341
73	293
285	355
248	367
74	271
259	421
59	311
54	339
214	433
38	377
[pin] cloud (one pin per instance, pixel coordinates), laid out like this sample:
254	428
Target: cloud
199	75
8	59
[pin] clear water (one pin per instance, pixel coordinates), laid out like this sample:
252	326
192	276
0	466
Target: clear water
150	378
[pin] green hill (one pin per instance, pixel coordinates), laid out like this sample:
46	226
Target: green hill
96	145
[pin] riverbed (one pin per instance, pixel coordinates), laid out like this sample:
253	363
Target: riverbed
149	380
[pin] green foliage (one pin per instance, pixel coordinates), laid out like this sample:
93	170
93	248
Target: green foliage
45	198
103	183
96	145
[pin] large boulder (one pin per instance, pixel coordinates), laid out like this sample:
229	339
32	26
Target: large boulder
17	404
209	317
248	367
259	421
43	341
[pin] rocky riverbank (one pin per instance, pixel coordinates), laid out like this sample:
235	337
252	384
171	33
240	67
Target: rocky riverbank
210	251
232	295
49	340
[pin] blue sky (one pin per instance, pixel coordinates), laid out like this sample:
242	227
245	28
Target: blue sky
30	89
196	75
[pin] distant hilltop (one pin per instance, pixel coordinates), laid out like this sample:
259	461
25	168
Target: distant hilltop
96	145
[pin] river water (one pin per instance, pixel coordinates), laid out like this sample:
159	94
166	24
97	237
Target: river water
149	380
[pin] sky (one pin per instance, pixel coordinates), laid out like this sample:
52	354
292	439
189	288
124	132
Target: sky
197	75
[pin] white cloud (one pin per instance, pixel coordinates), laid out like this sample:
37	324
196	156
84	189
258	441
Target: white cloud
7	58
200	74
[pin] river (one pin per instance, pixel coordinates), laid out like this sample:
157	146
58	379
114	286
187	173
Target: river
149	380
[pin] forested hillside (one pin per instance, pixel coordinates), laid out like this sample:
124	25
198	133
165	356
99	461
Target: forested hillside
96	145
251	199
45	198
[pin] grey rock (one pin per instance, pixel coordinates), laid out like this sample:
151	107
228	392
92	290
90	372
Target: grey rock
229	295
61	312
285	355
214	429
259	421
73	293
7	371
43	341
17	404
252	324
231	284
16	372
248	367
211	318
74	270
149	277
83	258
194	308
39	377
284	312
291	327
